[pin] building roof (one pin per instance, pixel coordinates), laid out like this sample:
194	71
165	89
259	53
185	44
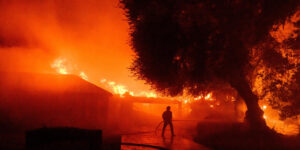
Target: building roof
57	83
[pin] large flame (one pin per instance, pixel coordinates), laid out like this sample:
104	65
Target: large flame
59	65
122	89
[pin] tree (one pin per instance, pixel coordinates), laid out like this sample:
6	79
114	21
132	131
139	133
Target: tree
292	95
278	68
181	45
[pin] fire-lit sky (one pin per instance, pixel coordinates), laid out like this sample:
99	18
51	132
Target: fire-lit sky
91	36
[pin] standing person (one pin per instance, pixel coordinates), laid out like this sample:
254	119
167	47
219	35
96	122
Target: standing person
167	117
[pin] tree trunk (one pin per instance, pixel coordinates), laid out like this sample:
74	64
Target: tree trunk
254	115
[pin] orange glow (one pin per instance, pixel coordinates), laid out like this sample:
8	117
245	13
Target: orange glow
83	76
185	101
287	30
93	35
289	126
189	99
264	107
120	89
198	98
90	39
208	97
59	65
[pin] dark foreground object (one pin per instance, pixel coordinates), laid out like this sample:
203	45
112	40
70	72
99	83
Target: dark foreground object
63	139
237	136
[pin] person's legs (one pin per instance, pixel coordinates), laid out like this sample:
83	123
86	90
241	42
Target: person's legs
171	126
164	127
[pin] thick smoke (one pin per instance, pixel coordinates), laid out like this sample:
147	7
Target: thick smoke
90	34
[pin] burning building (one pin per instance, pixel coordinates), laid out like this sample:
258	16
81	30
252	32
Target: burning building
31	100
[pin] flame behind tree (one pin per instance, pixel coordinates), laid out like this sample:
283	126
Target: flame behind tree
183	44
277	72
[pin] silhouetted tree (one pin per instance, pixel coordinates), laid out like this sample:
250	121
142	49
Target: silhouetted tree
181	45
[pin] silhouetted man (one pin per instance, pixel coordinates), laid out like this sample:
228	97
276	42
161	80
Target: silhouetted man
167	116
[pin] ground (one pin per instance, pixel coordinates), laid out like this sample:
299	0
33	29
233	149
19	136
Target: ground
183	140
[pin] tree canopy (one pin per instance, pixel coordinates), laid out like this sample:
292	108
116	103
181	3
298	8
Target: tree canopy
181	45
278	68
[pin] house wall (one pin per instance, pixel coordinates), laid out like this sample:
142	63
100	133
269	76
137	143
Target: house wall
21	110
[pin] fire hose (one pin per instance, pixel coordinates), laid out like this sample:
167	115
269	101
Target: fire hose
144	145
